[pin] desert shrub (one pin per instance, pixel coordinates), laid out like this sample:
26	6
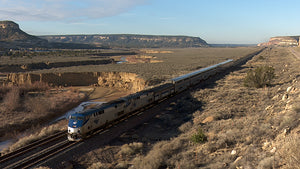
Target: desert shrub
12	98
199	137
35	87
261	57
100	165
297	109
122	165
3	90
260	77
159	154
42	167
185	127
37	105
267	163
289	152
186	163
132	148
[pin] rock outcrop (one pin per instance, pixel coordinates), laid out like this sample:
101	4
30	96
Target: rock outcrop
123	80
285	41
126	40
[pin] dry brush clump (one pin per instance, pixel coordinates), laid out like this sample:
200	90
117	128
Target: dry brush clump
100	165
199	137
289	152
12	99
162	155
130	149
260	77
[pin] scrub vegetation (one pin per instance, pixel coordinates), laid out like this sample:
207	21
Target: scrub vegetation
260	77
28	106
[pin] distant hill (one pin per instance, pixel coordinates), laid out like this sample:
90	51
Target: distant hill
282	41
129	40
12	36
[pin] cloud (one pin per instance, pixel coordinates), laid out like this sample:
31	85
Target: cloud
63	10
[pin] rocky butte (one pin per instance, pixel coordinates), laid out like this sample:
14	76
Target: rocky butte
130	40
284	41
12	36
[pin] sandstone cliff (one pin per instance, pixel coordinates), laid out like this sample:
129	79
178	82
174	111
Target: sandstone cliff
123	80
282	41
126	40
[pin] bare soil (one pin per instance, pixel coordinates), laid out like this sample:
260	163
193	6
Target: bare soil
245	127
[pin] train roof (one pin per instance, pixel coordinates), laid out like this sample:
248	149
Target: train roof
200	71
101	107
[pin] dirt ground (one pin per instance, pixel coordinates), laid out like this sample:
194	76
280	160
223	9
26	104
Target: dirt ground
103	94
243	127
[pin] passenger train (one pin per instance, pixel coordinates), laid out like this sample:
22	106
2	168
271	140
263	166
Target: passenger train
84	122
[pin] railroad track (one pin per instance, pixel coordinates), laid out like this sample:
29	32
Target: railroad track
8	159
41	150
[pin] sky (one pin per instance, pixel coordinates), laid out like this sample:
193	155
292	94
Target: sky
215	21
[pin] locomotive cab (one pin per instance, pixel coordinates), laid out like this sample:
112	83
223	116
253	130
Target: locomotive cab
76	121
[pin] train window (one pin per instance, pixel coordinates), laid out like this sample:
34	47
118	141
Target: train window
73	117
80	118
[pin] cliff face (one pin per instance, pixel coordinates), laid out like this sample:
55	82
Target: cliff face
123	80
282	41
124	40
11	36
10	31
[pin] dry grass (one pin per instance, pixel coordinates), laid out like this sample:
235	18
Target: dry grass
46	131
24	111
159	154
100	165
289	152
130	149
12	99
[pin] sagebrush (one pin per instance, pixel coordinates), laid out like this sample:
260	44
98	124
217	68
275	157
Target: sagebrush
199	137
260	77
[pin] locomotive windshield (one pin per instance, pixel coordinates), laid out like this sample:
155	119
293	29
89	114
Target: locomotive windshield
76	117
